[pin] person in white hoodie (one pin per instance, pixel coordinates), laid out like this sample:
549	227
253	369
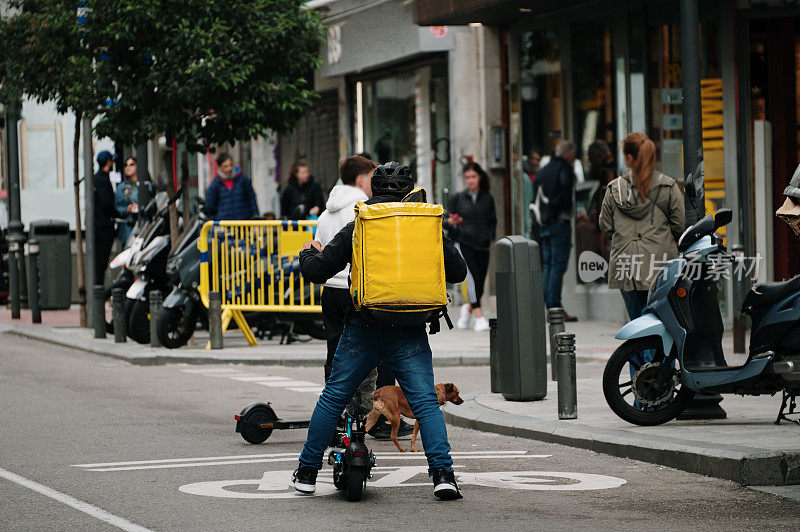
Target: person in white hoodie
355	173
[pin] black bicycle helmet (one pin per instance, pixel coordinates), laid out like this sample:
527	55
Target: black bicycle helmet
392	179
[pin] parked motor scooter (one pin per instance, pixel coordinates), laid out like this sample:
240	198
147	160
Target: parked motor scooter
675	348
149	224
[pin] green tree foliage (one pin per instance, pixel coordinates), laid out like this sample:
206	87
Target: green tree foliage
214	70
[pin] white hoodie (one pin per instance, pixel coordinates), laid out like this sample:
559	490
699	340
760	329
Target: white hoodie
338	213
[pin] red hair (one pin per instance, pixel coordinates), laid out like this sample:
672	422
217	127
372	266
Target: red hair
641	148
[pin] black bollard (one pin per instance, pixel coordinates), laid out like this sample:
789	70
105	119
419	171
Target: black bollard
155	310
555	317
32	256
99	311
567	380
118	309
215	319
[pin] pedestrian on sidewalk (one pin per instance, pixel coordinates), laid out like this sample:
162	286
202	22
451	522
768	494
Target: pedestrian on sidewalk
643	217
472	220
231	193
556	181
302	196
127	198
104	214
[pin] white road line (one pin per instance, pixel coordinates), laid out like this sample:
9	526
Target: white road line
286	384
79	505
260	378
309	389
285	457
199	459
211	370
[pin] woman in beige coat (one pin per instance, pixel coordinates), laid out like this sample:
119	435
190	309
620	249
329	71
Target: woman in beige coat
642	216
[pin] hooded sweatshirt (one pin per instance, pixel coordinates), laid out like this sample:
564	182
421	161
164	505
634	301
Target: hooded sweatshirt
338	213
643	231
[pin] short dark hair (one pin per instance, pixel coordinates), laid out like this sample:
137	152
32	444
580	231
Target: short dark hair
222	157
352	167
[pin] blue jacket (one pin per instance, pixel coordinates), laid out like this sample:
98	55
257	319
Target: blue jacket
238	203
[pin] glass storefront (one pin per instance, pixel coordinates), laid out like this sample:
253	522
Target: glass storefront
405	116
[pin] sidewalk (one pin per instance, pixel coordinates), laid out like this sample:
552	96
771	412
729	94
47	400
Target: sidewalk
746	448
450	347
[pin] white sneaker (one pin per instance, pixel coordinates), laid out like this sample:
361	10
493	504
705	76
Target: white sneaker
481	324
463	320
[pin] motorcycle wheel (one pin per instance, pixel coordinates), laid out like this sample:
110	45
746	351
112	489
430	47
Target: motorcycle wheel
175	326
311	327
139	322
108	312
628	379
356	478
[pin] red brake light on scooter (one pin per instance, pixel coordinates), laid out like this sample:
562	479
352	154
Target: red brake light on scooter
358	453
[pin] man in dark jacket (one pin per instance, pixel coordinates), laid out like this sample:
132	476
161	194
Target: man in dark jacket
104	214
556	181
231	193
366	342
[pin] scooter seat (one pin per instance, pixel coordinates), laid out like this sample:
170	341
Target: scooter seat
764	294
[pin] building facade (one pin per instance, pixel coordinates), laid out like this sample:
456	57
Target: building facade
596	71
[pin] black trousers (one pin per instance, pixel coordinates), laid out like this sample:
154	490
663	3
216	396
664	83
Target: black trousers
336	303
477	265
103	240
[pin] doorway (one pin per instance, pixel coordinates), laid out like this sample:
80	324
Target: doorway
774	98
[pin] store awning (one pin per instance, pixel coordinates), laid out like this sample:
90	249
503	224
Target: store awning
493	12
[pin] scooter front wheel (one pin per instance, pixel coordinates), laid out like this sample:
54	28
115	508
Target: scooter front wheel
633	388
175	326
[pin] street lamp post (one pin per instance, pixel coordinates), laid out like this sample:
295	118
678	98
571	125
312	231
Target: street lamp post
16	235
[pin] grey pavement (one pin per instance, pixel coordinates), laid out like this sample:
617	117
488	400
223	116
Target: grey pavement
747	447
154	447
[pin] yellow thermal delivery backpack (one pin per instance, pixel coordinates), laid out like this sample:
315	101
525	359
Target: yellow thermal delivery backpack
397	272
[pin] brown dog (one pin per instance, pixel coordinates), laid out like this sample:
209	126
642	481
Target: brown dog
390	401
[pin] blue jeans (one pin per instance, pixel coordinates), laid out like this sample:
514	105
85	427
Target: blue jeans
556	241
405	350
635	302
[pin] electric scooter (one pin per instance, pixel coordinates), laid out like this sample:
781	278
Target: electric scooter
350	457
675	348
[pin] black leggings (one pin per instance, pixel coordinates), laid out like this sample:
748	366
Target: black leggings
477	264
336	304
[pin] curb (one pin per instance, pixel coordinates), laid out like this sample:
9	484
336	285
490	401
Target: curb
145	359
747	466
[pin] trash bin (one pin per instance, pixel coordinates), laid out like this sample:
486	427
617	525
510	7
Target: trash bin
55	263
521	331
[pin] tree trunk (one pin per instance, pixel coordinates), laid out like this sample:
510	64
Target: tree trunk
76	187
173	211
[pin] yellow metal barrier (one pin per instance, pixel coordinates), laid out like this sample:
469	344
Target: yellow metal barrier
254	265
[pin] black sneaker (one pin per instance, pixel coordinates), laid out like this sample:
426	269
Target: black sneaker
382	431
444	485
304	480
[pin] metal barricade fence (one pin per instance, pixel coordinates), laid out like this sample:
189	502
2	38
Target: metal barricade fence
254	265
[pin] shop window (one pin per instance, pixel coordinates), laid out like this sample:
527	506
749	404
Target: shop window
595	127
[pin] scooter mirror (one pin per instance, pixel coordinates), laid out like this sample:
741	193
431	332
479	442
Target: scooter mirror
722	218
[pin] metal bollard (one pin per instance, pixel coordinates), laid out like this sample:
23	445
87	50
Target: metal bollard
567	382
215	319
32	257
99	311
494	359
118	309
555	317
155	310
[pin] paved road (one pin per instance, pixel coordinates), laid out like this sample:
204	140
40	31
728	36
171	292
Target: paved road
154	447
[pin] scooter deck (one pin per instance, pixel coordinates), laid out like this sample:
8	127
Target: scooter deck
281	424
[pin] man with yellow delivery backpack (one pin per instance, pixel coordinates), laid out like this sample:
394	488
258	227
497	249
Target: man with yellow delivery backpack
400	264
